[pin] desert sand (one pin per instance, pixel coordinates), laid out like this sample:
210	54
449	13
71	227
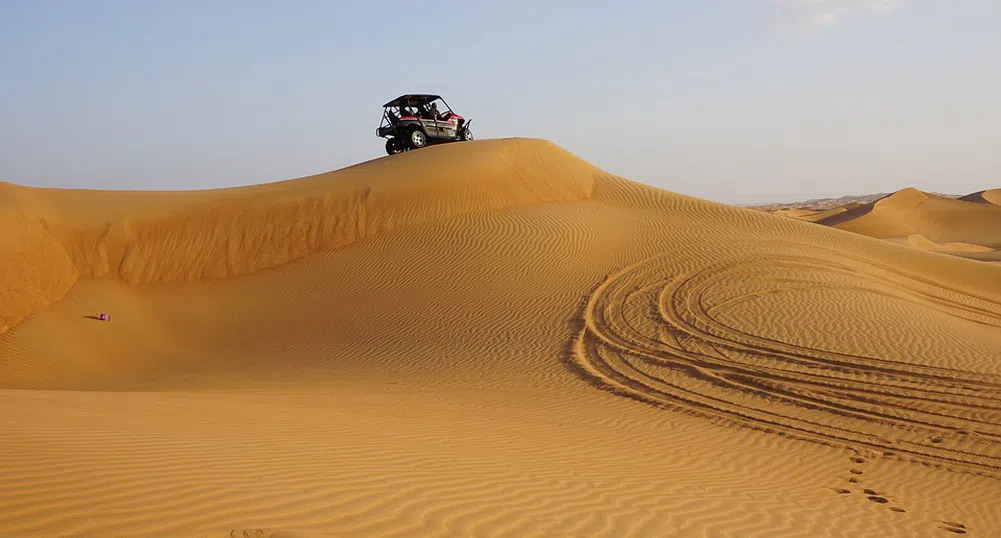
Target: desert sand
493	338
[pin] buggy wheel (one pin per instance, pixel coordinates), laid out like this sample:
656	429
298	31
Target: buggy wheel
393	146
466	135
418	139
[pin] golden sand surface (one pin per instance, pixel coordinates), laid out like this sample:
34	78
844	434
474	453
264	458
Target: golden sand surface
494	338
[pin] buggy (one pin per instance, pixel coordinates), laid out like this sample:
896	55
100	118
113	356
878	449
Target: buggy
413	121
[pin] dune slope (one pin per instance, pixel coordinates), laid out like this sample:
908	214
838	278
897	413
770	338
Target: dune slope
156	237
492	338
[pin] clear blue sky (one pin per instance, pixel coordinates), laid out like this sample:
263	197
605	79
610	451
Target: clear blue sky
738	101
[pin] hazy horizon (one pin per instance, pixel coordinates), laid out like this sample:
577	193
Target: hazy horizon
752	102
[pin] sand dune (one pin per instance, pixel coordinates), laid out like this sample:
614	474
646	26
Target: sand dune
961	226
155	237
910	211
492	338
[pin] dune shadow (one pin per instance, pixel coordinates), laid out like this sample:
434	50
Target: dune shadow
976	197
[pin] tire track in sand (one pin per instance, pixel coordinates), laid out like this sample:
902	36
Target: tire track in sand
659	331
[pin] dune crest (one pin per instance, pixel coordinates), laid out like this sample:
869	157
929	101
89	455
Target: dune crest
159	237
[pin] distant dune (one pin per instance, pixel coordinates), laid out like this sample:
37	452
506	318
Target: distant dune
821	204
992	196
495	338
966	226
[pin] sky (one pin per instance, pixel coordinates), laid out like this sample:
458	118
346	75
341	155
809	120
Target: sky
737	101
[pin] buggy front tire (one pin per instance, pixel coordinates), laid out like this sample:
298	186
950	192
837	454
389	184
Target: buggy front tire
466	135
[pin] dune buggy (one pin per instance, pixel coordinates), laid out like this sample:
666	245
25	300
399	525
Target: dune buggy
413	121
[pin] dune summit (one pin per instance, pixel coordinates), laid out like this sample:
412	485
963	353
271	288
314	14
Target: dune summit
492	338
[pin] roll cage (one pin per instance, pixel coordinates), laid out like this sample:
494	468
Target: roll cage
415	106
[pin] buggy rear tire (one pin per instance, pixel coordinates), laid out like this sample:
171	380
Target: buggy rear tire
418	139
394	146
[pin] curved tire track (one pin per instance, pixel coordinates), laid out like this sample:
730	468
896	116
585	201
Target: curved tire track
655	331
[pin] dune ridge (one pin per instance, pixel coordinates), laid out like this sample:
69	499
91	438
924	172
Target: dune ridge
193	235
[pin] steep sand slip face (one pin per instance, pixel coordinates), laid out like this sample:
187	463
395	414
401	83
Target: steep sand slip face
35	271
518	345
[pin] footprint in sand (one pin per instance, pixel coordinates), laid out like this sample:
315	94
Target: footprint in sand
870	494
953	527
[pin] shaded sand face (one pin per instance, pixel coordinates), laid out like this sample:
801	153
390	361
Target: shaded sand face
491	338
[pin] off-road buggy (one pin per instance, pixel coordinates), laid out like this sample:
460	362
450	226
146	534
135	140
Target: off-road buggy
413	121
